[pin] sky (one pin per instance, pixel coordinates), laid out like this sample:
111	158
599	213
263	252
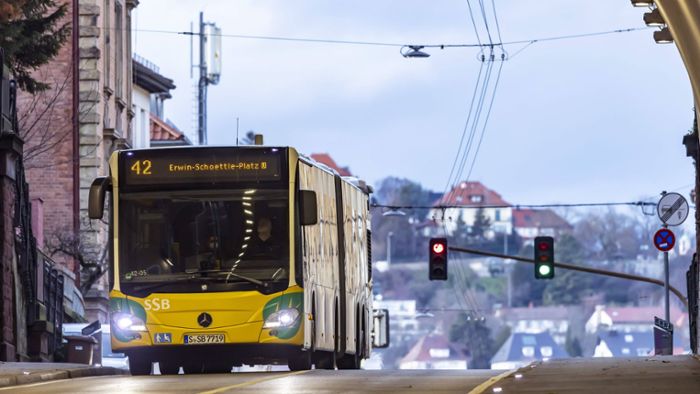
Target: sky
594	119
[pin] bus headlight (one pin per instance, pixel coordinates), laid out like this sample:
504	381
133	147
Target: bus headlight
128	322
282	318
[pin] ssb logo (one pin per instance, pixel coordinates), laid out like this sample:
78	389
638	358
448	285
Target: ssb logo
156	304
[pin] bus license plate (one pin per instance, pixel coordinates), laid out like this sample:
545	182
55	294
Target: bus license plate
202	339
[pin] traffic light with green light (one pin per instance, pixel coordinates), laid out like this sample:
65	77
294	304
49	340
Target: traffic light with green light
437	269
544	257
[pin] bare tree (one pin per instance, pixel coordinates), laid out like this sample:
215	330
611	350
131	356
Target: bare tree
43	124
93	261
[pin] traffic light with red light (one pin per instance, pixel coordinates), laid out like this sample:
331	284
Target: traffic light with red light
544	257
438	259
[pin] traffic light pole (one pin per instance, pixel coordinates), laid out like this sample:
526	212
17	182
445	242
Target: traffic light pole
581	269
666	286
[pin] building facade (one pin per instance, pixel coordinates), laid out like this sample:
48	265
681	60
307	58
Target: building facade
71	130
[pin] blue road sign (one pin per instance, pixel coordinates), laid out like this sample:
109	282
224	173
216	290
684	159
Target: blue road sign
664	240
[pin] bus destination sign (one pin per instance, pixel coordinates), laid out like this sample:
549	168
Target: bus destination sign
204	165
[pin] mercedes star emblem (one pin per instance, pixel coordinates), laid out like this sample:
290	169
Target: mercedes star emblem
204	320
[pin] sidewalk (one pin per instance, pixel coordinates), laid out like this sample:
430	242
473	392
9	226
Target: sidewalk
12	374
657	374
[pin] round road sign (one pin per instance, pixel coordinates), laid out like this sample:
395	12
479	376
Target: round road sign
664	240
672	209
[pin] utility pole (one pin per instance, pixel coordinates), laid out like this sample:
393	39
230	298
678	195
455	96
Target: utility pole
507	268
202	90
389	236
666	289
209	71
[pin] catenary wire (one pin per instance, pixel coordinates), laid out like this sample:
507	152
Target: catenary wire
390	44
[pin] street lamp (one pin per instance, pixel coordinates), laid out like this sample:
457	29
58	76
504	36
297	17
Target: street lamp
394	213
642	3
413	51
654	18
663	36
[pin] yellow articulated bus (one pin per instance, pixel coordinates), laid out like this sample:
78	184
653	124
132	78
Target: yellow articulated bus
223	256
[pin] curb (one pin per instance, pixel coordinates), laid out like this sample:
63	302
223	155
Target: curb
45	376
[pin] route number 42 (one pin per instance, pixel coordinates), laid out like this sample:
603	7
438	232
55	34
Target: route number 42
157	304
141	167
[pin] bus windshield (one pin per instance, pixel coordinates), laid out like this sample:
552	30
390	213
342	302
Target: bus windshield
232	235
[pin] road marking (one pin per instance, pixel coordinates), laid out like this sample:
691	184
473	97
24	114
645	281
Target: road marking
488	383
252	382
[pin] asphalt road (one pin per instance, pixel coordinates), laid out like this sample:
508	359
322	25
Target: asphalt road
316	381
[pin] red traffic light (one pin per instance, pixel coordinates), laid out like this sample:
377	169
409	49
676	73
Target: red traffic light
438	247
543	246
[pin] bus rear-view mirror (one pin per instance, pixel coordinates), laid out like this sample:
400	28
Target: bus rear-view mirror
308	207
380	339
96	199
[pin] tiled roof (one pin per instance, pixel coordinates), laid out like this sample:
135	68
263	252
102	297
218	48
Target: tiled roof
161	131
635	314
472	194
513	348
325	158
538	218
421	351
536	313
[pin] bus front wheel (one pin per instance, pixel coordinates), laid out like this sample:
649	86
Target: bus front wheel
140	366
168	367
300	362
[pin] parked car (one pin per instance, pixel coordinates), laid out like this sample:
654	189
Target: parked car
109	359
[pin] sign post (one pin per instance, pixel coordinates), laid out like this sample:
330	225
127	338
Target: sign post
672	210
663	337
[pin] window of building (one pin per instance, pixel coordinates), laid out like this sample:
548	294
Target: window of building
498	215
629	338
529	351
643	351
439	352
119	48
107	34
625	350
546	351
476	198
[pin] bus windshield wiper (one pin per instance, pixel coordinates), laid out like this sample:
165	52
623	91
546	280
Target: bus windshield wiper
150	286
203	274
246	278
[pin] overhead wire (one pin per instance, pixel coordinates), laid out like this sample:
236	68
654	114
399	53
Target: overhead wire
464	150
478	83
488	115
476	119
460	283
498	25
386	44
464	131
486	22
515	206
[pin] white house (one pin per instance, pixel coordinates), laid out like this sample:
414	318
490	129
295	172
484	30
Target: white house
630	318
554	320
150	90
471	195
434	352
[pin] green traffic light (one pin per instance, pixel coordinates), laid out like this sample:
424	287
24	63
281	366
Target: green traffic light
544	270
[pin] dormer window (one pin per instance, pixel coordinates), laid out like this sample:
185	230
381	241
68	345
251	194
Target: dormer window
476	198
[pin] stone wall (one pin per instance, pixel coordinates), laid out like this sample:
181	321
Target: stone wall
10	150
